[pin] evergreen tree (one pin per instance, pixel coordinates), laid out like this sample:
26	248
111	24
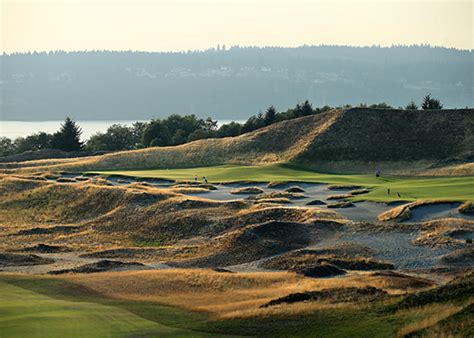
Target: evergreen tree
411	106
68	138
306	109
138	128
230	129
7	147
253	123
431	103
381	105
270	115
210	124
297	112
155	134
38	141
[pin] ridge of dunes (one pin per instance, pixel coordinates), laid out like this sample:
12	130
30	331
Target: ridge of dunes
279	142
435	138
395	135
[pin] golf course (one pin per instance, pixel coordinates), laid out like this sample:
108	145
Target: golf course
334	224
410	188
34	306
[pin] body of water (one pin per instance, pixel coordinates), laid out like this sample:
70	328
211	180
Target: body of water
14	129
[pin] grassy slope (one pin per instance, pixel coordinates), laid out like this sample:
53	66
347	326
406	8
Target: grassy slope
410	188
35	306
275	143
26	313
375	135
340	141
53	307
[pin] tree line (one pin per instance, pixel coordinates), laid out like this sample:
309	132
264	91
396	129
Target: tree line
170	131
225	84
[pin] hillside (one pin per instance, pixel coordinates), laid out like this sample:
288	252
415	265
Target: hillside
226	84
276	143
339	139
362	134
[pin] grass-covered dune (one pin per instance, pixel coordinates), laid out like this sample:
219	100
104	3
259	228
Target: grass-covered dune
349	140
92	216
275	143
361	134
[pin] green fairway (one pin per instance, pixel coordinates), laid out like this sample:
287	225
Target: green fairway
26	313
36	306
32	306
410	188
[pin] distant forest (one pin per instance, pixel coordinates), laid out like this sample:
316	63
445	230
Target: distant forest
231	83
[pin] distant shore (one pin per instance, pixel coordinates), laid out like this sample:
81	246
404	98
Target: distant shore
14	129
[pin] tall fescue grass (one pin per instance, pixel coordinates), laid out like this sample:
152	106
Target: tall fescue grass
436	313
223	295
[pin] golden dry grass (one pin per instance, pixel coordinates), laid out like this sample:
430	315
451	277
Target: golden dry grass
341	140
276	143
403	212
439	232
94	216
223	295
433	314
465	169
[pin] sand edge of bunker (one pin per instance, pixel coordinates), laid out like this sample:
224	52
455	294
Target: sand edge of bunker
402	188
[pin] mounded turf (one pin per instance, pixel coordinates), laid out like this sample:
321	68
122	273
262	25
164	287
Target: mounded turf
33	306
409	188
26	313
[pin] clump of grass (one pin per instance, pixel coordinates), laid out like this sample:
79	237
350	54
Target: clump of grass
144	243
403	212
247	191
441	313
466	208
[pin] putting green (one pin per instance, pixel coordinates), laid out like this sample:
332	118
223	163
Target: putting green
409	188
25	313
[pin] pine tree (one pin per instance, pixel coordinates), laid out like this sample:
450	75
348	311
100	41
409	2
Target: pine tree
270	115
306	108
431	103
411	106
297	112
68	138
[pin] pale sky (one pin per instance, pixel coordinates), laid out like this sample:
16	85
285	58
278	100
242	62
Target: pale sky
176	25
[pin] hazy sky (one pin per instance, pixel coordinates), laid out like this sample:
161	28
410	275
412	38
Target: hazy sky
163	25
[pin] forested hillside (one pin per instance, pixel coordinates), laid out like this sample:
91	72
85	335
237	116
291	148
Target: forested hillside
225	83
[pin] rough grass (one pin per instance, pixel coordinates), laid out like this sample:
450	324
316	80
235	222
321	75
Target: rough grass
409	188
374	135
90	217
403	212
226	304
341	140
222	294
455	321
278	142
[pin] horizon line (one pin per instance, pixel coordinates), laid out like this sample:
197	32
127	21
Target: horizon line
223	48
